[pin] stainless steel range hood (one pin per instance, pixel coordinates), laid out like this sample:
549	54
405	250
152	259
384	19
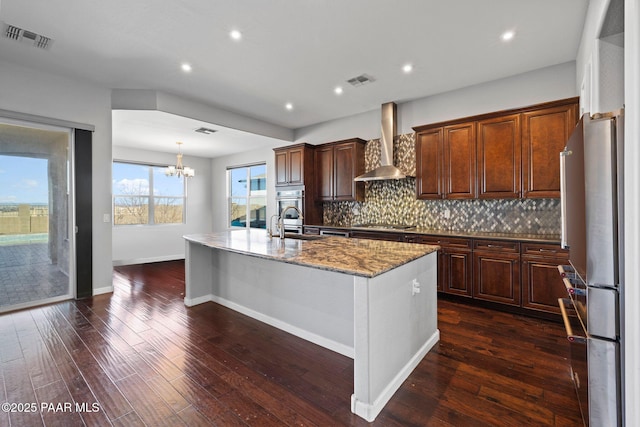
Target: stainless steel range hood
389	129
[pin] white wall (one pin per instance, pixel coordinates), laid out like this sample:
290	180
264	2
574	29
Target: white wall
545	84
140	244
593	22
31	91
219	182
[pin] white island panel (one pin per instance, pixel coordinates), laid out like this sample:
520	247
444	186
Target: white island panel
376	305
395	327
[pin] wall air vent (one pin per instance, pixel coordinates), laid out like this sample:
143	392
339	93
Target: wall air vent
360	80
206	131
12	32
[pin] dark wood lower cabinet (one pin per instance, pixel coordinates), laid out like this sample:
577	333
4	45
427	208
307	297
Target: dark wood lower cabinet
454	263
496	271
456	269
541	283
510	273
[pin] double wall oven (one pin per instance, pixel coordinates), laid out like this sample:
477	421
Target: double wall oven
291	196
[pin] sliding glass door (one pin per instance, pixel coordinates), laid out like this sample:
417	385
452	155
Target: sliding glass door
36	232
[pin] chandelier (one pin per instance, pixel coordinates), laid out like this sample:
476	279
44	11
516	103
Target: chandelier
179	170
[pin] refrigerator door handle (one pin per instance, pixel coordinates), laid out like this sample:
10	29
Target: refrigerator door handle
563	199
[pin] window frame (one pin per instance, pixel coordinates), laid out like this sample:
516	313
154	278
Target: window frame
248	197
151	197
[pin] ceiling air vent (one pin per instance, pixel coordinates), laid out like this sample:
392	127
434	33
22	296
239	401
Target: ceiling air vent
360	80
206	131
29	37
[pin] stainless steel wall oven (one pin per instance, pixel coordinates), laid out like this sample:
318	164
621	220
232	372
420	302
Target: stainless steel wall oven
293	196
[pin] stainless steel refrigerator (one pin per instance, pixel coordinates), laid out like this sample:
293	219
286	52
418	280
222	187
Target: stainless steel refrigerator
592	229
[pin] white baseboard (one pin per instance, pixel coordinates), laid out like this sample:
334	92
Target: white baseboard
343	349
119	262
190	302
104	290
370	411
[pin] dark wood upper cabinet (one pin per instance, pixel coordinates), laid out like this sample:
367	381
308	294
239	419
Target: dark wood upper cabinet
544	135
337	164
429	158
459	178
499	154
294	165
324	172
446	162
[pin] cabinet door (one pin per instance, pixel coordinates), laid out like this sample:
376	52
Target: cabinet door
456	271
344	160
282	176
459	177
429	145
497	277
296	166
544	135
499	153
324	173
542	285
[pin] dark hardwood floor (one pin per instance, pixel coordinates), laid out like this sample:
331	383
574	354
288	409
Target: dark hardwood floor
140	357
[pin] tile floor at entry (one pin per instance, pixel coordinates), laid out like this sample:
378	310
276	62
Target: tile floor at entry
26	274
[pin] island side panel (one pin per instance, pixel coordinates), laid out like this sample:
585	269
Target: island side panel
197	274
314	304
394	329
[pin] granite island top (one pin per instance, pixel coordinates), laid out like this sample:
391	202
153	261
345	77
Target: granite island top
358	257
523	237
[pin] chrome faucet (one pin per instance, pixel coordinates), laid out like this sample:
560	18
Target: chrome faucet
281	219
270	229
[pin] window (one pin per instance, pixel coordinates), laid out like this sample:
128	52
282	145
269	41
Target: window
248	196
143	194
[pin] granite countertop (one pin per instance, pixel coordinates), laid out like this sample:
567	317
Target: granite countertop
358	257
522	237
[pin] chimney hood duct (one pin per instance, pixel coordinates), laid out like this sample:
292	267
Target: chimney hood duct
389	129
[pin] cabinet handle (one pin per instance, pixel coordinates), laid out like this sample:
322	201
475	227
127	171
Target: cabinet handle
494	246
553	251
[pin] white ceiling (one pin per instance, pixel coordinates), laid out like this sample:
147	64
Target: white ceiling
294	51
159	131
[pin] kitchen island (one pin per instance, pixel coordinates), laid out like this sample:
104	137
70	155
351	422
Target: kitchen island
373	301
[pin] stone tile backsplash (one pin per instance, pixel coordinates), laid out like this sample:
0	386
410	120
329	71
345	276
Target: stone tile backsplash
404	154
394	202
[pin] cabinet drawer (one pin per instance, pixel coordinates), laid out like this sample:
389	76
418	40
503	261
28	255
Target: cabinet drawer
544	250
496	245
379	235
444	242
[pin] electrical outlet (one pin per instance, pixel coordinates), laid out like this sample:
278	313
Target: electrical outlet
447	213
415	287
106	218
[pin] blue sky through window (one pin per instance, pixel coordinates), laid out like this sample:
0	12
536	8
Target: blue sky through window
23	180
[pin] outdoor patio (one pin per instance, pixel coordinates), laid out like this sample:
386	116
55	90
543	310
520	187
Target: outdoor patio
26	274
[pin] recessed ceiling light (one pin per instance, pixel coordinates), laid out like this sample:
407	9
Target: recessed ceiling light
507	35
338	90
186	67
407	68
235	35
288	106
